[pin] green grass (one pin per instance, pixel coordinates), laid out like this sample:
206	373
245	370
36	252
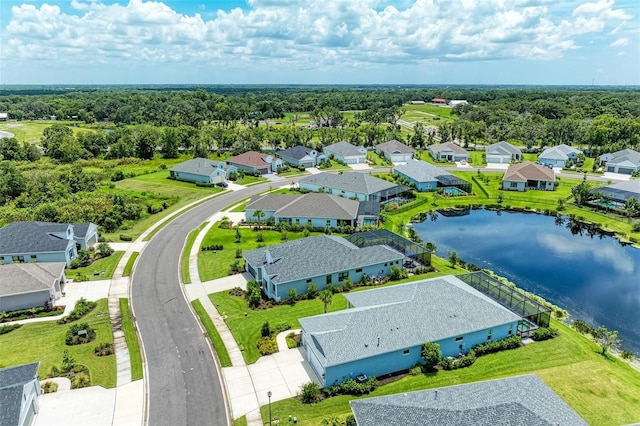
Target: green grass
105	268
251	180
440	111
184	261
216	340
32	131
377	160
44	342
604	391
129	266
131	337
241	421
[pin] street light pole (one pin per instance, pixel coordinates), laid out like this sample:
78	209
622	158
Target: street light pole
269	395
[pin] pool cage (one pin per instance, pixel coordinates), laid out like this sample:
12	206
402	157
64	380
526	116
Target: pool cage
412	250
533	314
451	181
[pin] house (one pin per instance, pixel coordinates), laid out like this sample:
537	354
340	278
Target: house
424	176
360	186
27	285
4	116
416	102
528	175
448	151
255	162
346	152
313	209
558	156
19	392
301	156
502	153
395	151
201	170
45	242
625	161
520	400
399	320
438	101
456	102
619	193
321	260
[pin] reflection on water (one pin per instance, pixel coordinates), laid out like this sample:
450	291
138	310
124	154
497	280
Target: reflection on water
576	266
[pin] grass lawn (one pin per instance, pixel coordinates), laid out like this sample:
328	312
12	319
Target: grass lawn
216	340
184	261
440	111
129	266
334	166
376	159
251	180
131	337
604	391
105	268
44	342
212	265
31	131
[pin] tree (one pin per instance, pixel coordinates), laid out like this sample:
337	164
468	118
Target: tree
607	339
431	354
259	214
169	142
146	140
12	181
104	250
453	258
326	296
581	192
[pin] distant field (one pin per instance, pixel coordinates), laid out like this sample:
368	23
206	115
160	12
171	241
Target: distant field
440	111
31	131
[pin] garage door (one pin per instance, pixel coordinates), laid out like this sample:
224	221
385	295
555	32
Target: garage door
611	169
625	171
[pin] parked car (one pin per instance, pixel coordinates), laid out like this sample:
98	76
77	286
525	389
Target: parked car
222	184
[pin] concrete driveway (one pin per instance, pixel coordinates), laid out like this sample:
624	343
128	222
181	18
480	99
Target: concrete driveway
360	166
282	373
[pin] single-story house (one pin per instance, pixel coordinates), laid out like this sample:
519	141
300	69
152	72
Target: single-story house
399	320
502	153
314	209
557	156
27	285
456	102
625	161
416	102
519	400
448	151
321	260
201	170
252	161
438	101
360	186
528	175
395	151
45	242
4	116
301	156
346	152
425	176
620	192
19	392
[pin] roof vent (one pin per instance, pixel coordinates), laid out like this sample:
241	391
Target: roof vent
436	394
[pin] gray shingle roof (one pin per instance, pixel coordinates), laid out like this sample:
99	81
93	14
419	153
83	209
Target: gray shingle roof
502	148
316	256
421	171
297	152
560	152
447	146
32	237
18	278
528	171
345	149
270	202
620	191
320	205
402	316
197	166
80	229
12	380
395	147
360	183
522	400
625	155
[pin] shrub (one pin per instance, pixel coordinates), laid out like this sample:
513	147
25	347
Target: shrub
462	362
280	327
49	387
9	328
312	291
627	355
583	328
79	334
80	380
267	345
214	247
239	253
544	333
415	370
254	297
103	250
124	237
82	308
350	420
507	343
352	387
293	295
237	291
398	273
104	349
431	354
266	330
260	237
310	393
294	340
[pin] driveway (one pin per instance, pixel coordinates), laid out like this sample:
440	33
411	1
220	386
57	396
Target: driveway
360	166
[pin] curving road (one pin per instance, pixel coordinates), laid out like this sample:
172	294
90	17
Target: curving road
183	382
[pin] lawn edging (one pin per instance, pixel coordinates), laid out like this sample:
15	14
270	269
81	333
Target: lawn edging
186	253
129	266
130	335
212	332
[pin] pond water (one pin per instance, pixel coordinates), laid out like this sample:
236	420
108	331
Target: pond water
585	272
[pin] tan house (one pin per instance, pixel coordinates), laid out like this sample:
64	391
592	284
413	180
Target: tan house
528	175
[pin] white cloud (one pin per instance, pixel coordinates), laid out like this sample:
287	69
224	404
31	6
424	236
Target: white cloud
304	34
621	42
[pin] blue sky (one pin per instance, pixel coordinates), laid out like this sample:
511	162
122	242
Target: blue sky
320	42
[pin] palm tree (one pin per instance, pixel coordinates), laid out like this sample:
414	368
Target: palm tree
258	214
326	296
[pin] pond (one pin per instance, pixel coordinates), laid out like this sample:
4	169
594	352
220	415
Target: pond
580	269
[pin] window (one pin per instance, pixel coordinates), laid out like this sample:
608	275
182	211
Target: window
33	256
513	185
406	352
359	270
342	276
309	280
328	279
489	333
459	338
385	264
17	259
298	221
328	222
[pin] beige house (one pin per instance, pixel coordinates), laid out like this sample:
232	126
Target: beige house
528	175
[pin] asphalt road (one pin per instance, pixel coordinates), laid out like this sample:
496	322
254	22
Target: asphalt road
183	383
